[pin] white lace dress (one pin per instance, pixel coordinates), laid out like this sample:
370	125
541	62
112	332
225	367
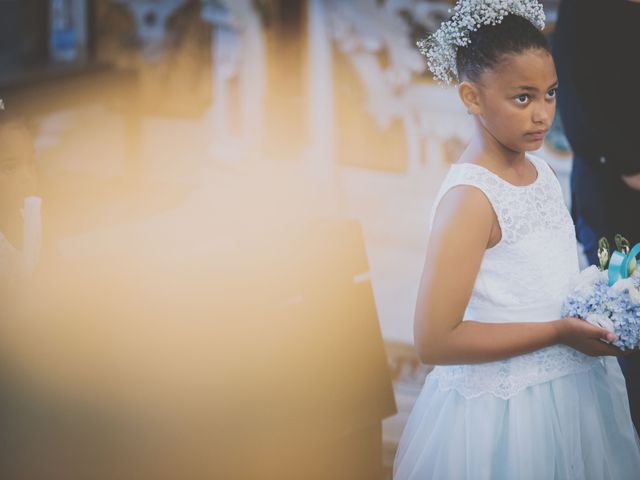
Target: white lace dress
551	414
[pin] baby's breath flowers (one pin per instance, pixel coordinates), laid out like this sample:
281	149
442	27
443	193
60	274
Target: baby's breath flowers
468	16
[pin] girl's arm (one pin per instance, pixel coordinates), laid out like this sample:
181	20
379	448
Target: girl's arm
461	231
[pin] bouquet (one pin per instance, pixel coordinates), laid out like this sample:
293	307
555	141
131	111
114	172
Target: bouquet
609	295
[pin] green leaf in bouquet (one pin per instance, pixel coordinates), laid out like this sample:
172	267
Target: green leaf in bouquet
603	253
622	244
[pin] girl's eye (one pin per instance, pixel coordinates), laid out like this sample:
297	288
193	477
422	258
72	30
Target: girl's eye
522	99
552	93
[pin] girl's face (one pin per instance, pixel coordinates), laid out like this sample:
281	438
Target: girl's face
517	100
17	172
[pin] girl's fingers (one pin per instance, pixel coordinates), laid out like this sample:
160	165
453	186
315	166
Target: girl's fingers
613	351
607	336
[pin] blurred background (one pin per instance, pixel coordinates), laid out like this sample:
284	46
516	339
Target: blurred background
235	198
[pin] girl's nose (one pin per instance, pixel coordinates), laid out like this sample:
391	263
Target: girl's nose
543	114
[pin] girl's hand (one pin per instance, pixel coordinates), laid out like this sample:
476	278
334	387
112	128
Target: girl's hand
587	338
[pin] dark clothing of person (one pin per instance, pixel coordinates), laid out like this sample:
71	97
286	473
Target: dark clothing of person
595	46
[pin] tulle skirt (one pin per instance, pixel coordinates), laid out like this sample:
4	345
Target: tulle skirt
577	426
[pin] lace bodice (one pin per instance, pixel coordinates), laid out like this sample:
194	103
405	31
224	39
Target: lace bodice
524	278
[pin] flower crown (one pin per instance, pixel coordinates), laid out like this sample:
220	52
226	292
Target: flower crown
468	16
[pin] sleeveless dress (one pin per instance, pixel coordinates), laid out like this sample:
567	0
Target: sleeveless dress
551	414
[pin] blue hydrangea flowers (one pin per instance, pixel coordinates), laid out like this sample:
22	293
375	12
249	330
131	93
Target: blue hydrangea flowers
615	308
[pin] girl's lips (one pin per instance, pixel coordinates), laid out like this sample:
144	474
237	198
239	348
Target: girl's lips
537	135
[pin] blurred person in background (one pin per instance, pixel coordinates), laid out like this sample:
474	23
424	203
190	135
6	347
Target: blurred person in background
18	180
595	48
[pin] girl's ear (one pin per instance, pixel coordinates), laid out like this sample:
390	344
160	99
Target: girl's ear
470	97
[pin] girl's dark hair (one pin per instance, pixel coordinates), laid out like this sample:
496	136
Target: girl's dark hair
490	43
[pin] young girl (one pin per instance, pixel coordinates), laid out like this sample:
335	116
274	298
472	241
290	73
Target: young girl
517	393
